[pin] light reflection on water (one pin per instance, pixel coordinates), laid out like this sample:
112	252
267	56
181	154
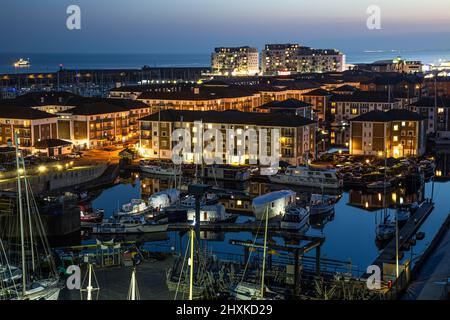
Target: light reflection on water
349	236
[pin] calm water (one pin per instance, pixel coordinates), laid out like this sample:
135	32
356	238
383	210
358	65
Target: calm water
350	236
51	62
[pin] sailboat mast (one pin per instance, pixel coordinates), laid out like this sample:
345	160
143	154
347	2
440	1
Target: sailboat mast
22	235
89	287
265	253
191	277
29	213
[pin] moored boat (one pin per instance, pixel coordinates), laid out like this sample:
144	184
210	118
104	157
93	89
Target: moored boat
129	225
295	218
321	204
308	177
277	202
159	168
212	214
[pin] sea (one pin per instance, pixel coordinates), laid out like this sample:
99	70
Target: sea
50	62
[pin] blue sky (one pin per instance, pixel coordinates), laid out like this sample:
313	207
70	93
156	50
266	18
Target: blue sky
196	26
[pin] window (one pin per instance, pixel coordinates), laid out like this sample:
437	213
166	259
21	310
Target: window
395	138
396	128
440	110
403	124
354	111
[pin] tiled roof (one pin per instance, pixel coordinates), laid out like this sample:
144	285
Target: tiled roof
230	117
391	115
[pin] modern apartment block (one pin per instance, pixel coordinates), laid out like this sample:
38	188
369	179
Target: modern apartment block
296	133
237	61
400	133
281	59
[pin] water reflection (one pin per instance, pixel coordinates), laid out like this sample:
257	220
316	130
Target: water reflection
349	232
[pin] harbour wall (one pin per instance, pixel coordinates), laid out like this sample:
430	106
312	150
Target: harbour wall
54	180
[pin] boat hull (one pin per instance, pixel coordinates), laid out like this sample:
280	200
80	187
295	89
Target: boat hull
290	180
150	228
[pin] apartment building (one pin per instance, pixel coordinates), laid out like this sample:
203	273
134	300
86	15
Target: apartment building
296	133
400	133
236	61
436	112
282	59
31	126
85	122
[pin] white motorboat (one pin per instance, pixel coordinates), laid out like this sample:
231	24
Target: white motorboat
136	207
163	199
295	218
308	177
129	225
160	169
321	204
22	63
212	214
277	202
189	201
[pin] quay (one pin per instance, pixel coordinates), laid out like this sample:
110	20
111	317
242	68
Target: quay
389	252
430	275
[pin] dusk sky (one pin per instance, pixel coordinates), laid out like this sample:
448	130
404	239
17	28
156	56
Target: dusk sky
196	26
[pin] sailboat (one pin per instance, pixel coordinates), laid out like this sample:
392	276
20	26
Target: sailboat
39	277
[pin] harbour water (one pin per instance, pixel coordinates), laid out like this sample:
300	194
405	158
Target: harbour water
50	62
349	233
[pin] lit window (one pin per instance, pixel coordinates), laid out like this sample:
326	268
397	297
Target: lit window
396	128
354	111
395	138
403	124
441	110
333	110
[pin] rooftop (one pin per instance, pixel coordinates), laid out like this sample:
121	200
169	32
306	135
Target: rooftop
391	115
51	143
230	117
286	104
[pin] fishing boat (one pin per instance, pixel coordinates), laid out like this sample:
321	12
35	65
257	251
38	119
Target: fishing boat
89	218
277	202
159	168
321	204
129	225
295	218
22	63
212	214
308	177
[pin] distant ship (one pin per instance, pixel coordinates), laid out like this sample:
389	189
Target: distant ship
22	63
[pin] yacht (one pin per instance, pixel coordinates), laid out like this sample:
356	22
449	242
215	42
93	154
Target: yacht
295	218
160	169
277	202
22	63
403	213
129	225
212	214
308	177
386	230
